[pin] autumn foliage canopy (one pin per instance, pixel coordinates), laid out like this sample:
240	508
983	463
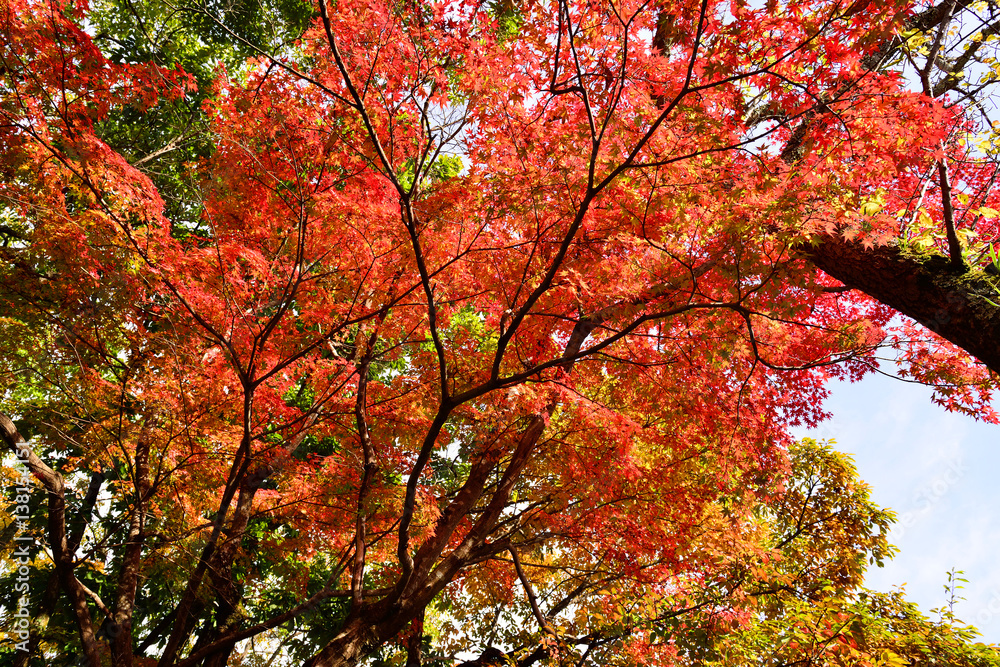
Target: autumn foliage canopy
471	331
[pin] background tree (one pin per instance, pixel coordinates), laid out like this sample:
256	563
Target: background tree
458	329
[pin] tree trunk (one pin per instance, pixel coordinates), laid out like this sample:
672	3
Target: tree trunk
349	646
955	304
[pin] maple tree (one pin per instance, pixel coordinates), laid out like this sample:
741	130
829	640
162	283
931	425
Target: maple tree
449	330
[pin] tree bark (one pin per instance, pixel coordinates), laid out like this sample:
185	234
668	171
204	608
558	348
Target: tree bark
955	304
122	654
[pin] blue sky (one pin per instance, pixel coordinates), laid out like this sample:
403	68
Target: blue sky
938	471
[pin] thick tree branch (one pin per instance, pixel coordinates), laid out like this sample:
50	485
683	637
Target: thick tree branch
924	287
